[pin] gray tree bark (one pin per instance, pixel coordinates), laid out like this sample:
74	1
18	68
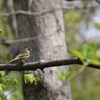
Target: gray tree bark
48	44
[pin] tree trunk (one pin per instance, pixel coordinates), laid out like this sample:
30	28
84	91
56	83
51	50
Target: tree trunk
48	44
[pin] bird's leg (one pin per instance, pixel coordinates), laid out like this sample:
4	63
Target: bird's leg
23	61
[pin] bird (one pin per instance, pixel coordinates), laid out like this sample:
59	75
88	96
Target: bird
21	57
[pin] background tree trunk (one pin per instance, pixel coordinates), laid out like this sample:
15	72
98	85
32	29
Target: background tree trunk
48	44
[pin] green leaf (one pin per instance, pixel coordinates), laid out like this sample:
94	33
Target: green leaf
1	87
13	81
2	73
5	79
85	50
95	62
61	75
71	74
89	50
78	54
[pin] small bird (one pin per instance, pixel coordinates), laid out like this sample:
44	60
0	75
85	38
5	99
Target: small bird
22	57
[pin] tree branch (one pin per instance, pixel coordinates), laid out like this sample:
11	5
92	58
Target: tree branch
18	12
43	64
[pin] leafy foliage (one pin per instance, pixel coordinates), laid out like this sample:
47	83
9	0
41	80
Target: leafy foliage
86	86
87	54
3	96
1	87
31	78
63	76
4	80
72	18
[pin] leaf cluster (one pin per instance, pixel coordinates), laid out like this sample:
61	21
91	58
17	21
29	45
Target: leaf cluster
30	78
63	76
88	54
4	80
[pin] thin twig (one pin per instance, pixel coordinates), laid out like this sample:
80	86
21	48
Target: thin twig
12	91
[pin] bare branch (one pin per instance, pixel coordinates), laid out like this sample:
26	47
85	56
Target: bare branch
17	40
98	1
44	11
43	64
26	13
21	40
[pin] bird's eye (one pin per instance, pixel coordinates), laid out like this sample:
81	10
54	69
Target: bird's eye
30	49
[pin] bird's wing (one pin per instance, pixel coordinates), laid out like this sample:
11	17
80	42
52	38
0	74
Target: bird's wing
20	56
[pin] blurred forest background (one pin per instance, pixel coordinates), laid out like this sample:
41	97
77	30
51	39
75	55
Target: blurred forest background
82	25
